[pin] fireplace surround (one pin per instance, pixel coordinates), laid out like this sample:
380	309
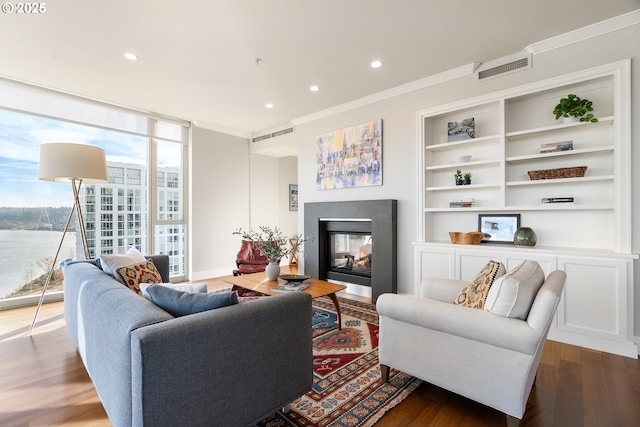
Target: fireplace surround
375	221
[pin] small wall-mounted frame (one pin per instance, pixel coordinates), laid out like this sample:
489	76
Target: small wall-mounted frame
498	228
293	197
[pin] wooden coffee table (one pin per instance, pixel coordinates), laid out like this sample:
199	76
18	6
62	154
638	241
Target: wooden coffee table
317	288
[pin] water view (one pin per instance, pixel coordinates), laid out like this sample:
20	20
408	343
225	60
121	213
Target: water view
22	253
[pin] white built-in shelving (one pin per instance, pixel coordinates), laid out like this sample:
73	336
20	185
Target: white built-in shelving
510	128
589	238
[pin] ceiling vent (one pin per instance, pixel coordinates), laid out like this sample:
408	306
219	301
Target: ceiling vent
506	65
272	134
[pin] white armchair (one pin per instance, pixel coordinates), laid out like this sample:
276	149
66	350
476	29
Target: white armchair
480	355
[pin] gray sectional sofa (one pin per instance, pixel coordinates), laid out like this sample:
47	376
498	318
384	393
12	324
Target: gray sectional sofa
231	366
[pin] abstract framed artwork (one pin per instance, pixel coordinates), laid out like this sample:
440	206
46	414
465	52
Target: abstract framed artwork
350	157
498	228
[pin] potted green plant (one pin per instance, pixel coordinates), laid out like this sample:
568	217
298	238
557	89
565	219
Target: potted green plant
458	177
467	178
273	244
574	106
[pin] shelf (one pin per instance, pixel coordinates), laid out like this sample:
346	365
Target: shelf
452	144
461	165
560	180
471	209
461	187
563	207
552	250
554	128
529	208
607	148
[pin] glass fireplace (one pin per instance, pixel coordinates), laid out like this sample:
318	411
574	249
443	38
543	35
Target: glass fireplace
350	253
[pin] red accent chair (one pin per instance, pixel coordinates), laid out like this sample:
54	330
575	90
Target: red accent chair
249	260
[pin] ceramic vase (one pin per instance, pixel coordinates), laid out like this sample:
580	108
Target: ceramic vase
272	270
525	236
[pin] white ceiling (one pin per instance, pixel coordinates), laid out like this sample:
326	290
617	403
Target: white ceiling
196	57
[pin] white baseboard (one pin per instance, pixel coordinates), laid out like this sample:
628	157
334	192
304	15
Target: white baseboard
209	274
627	349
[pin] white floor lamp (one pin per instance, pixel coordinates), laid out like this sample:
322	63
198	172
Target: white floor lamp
74	163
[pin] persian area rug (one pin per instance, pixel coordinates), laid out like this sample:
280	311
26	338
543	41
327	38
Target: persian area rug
347	387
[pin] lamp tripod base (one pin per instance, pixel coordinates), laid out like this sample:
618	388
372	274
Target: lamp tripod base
75	183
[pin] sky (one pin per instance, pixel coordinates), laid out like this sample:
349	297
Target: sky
20	139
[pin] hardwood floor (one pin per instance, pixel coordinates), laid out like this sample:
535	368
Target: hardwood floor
44	383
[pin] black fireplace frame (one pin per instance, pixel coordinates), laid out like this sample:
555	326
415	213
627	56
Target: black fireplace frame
384	224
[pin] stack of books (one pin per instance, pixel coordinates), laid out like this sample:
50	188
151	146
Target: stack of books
290	287
556	146
557	199
462	203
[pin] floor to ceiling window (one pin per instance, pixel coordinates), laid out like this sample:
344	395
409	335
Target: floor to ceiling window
141	205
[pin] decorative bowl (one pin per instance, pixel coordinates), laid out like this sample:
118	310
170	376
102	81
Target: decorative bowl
294	277
464	159
472	238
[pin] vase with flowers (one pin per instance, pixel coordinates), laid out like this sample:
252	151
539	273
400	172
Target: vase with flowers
273	245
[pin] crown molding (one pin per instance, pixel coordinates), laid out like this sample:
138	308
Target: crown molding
584	33
390	93
220	129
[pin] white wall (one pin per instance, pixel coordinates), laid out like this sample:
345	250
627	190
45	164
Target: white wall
231	188
264	178
398	115
270	179
219	201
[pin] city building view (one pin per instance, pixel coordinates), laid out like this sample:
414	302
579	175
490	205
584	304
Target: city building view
115	214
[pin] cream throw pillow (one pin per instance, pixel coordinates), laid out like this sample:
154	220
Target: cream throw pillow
111	263
512	294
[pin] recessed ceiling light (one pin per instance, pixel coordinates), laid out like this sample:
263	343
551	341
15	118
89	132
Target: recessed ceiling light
131	56
269	106
314	88
376	64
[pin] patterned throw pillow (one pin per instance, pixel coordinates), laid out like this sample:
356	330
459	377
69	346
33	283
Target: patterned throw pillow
132	275
474	294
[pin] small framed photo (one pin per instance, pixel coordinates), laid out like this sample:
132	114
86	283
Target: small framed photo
461	130
498	228
293	197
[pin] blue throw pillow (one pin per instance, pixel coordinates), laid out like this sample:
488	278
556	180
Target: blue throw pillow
178	303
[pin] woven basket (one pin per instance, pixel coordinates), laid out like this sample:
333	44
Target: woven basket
573	172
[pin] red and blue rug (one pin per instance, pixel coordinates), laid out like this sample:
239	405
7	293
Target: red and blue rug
347	387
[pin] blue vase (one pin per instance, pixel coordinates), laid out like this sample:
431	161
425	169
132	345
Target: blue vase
525	236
